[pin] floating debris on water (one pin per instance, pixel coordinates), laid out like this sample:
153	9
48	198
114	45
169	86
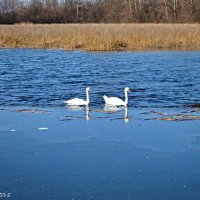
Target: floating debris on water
107	111
180	118
177	117
31	111
159	113
145	113
66	118
154	112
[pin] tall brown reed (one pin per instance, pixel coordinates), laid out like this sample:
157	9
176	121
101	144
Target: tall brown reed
101	37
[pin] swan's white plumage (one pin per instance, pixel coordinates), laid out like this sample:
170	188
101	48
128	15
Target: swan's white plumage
79	102
113	101
75	102
117	101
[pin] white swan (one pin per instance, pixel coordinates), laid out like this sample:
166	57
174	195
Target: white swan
80	102
116	101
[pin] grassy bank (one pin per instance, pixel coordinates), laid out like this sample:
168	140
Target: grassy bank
101	37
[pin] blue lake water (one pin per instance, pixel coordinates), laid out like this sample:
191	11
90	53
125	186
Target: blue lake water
46	77
50	151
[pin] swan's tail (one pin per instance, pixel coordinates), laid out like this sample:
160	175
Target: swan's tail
105	97
65	102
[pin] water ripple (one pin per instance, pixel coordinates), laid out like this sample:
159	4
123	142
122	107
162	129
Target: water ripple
47	77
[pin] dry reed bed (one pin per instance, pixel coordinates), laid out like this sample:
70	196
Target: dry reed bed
101	37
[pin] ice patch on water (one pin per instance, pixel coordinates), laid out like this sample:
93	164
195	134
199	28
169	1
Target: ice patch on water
43	128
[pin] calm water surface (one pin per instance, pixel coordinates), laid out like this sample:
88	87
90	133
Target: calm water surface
79	154
46	77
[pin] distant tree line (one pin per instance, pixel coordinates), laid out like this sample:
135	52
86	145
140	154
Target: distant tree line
99	11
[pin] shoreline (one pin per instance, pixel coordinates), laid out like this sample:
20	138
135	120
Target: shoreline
106	51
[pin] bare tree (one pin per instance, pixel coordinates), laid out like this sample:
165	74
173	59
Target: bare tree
106	11
166	10
77	8
131	11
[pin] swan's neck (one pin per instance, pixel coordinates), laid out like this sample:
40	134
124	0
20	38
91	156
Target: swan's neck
126	97
87	97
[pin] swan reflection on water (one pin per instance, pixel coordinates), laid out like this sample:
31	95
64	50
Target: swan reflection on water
87	116
81	108
126	117
109	108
